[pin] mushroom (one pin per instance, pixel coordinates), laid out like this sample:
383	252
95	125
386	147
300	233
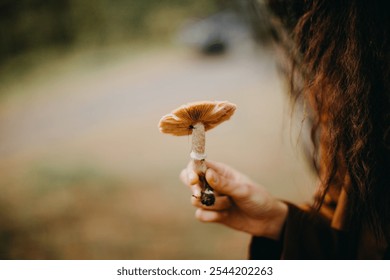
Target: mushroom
196	118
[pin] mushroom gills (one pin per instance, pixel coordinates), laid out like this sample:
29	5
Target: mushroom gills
207	196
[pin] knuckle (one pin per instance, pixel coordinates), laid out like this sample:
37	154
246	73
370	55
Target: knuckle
243	191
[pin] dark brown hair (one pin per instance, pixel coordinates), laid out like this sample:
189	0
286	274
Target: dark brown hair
339	53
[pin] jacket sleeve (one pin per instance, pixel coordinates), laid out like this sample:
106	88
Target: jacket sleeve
306	235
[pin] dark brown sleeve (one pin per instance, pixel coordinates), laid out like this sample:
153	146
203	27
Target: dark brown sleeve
306	235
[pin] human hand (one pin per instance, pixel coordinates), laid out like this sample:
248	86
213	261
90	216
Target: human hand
240	203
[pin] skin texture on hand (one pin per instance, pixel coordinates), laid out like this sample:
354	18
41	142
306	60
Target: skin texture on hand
240	203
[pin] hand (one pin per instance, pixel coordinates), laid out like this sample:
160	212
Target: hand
240	203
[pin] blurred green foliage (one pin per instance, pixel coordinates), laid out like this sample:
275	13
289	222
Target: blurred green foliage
27	25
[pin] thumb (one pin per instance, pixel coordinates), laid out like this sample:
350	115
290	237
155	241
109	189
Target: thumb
226	185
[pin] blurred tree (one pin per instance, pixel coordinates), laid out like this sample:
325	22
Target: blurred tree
27	24
32	24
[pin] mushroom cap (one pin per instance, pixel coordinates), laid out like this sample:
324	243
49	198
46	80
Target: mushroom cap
210	113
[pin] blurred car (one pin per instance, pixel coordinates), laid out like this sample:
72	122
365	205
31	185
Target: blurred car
215	34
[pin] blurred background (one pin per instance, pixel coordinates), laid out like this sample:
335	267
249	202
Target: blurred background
85	172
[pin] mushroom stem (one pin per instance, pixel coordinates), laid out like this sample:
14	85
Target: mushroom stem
198	156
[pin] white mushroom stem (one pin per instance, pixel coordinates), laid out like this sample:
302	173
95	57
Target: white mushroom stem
198	156
198	148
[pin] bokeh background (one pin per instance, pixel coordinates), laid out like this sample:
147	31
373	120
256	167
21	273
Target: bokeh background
84	170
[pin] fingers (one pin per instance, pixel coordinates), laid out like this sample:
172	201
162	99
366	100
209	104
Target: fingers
227	185
222	178
217	175
196	191
208	216
191	179
221	203
220	168
216	213
189	176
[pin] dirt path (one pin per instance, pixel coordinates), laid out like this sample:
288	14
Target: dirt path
70	106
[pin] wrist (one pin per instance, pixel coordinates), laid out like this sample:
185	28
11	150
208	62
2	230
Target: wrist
274	223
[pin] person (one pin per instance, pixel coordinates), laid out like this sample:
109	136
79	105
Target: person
338	55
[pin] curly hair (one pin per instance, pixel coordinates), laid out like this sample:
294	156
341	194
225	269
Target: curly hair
339	53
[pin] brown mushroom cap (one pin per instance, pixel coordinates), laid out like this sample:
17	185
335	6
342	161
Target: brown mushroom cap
210	113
